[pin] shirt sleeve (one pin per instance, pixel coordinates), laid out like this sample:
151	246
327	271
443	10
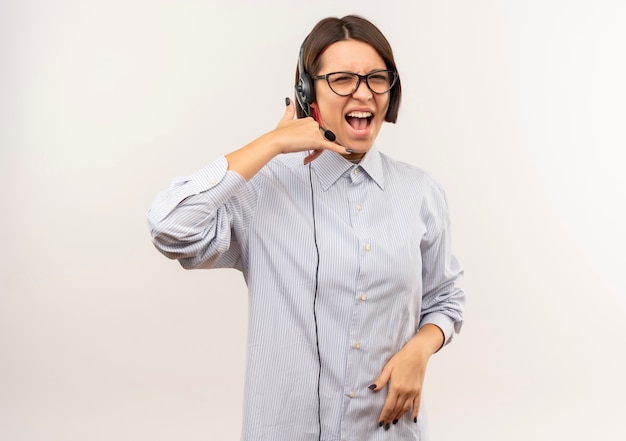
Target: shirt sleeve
198	219
442	300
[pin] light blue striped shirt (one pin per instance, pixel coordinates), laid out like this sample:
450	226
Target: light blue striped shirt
385	269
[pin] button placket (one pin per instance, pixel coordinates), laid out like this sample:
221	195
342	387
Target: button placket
357	205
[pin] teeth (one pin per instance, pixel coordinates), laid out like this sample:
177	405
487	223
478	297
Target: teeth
360	114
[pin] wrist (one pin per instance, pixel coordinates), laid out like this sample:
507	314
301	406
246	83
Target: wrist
428	340
270	144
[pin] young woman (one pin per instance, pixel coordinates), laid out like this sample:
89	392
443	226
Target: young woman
346	252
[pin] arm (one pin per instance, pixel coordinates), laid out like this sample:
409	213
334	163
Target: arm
193	220
441	315
289	136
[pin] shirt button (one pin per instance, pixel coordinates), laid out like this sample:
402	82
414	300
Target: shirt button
358	207
357	345
352	394
213	181
356	171
363	297
367	247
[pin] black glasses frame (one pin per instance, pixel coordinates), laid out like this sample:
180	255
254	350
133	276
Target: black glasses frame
393	74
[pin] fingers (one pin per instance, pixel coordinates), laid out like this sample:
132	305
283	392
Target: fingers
384	420
400	400
312	156
382	379
290	111
397	405
416	408
304	134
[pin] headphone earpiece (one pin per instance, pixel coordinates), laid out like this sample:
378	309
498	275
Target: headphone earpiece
305	94
305	91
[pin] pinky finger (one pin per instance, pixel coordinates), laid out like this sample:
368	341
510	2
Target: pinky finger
312	156
416	408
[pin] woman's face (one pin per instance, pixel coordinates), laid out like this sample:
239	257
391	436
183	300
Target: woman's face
355	119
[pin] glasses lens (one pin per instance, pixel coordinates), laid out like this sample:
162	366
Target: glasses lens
343	83
381	81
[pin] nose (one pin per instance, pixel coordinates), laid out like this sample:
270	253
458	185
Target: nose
363	92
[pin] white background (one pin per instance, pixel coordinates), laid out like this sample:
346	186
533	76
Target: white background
516	107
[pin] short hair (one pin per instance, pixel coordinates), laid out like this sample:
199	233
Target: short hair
331	30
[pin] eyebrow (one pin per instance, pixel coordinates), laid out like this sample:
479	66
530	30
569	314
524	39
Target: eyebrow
353	72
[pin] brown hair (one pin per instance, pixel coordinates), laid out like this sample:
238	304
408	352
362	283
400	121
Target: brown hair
331	30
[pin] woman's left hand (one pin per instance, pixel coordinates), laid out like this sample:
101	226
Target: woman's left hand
404	375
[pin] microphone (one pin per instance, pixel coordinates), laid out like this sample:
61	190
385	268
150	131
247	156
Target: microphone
316	116
328	134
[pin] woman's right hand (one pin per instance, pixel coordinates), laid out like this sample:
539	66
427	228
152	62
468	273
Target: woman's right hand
290	135
294	135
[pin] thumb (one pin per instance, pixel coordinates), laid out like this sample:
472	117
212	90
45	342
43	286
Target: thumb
381	381
290	111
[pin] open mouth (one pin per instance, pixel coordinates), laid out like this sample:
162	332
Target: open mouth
359	120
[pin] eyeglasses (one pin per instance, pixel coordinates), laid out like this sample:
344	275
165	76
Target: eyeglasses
346	83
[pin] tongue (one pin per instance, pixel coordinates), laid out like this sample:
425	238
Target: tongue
358	123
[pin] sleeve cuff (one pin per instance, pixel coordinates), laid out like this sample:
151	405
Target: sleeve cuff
201	181
443	322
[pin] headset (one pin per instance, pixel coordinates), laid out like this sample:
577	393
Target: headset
305	90
305	93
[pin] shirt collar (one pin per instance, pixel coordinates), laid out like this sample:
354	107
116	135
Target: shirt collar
330	166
